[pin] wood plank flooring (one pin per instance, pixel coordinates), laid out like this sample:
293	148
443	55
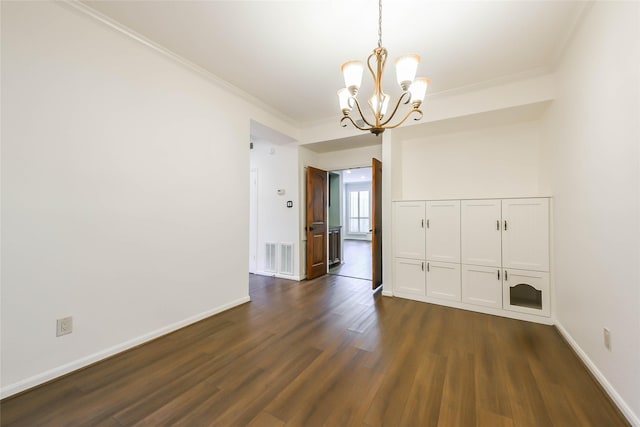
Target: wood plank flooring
356	260
328	352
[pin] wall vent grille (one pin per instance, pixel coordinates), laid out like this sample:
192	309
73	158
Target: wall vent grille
270	257
286	258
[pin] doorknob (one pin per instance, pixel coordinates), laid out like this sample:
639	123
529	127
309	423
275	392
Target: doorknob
311	228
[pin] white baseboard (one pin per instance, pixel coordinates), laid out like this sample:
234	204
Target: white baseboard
613	394
386	293
279	276
545	320
51	374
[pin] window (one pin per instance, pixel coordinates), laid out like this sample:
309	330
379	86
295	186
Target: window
359	210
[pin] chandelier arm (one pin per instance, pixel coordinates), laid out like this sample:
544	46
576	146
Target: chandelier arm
393	113
375	79
382	63
415	110
352	122
380	54
364	119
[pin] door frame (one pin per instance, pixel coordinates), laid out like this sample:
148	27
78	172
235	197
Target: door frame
253	220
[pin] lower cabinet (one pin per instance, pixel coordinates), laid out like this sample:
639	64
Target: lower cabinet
482	285
409	276
526	292
443	280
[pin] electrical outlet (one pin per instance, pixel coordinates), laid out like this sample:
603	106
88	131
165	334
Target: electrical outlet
607	338
64	326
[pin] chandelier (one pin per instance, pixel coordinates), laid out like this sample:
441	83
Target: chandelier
413	89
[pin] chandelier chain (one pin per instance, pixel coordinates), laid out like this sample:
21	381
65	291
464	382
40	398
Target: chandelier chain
379	23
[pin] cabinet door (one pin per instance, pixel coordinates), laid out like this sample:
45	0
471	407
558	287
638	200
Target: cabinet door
443	280
443	231
481	225
482	286
408	230
409	276
525	234
526	292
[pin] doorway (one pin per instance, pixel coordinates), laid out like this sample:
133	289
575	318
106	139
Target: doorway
350	197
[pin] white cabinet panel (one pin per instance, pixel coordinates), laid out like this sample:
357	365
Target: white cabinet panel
481	232
443	231
526	292
408	230
443	280
482	286
489	255
525	234
409	276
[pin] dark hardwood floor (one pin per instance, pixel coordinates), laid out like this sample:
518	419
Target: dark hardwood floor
328	352
357	260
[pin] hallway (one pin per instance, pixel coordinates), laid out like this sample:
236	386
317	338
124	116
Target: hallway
356	260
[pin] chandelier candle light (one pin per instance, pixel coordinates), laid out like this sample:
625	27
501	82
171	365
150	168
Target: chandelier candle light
413	89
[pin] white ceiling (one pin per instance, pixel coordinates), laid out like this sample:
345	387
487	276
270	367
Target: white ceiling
288	53
356	175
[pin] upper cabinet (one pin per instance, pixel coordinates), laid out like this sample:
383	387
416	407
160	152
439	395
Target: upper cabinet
512	233
525	234
443	231
481	223
409	230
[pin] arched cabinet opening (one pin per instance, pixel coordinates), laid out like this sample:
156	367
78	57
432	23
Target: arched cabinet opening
524	295
526	291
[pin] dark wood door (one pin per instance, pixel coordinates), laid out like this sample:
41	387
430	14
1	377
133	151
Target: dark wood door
376	223
316	222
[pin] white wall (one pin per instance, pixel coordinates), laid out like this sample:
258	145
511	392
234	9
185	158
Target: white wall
500	161
124	192
347	159
592	139
482	98
277	167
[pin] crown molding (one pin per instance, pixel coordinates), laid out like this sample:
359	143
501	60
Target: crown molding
208	75
486	84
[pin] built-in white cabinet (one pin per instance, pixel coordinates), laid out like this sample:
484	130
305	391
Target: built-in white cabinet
443	231
482	285
409	230
513	233
409	264
443	280
491	253
481	224
409	276
525	234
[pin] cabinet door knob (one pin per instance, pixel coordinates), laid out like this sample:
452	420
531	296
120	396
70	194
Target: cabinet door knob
422	223
505	225
498	224
506	275
422	265
427	267
427	223
498	274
